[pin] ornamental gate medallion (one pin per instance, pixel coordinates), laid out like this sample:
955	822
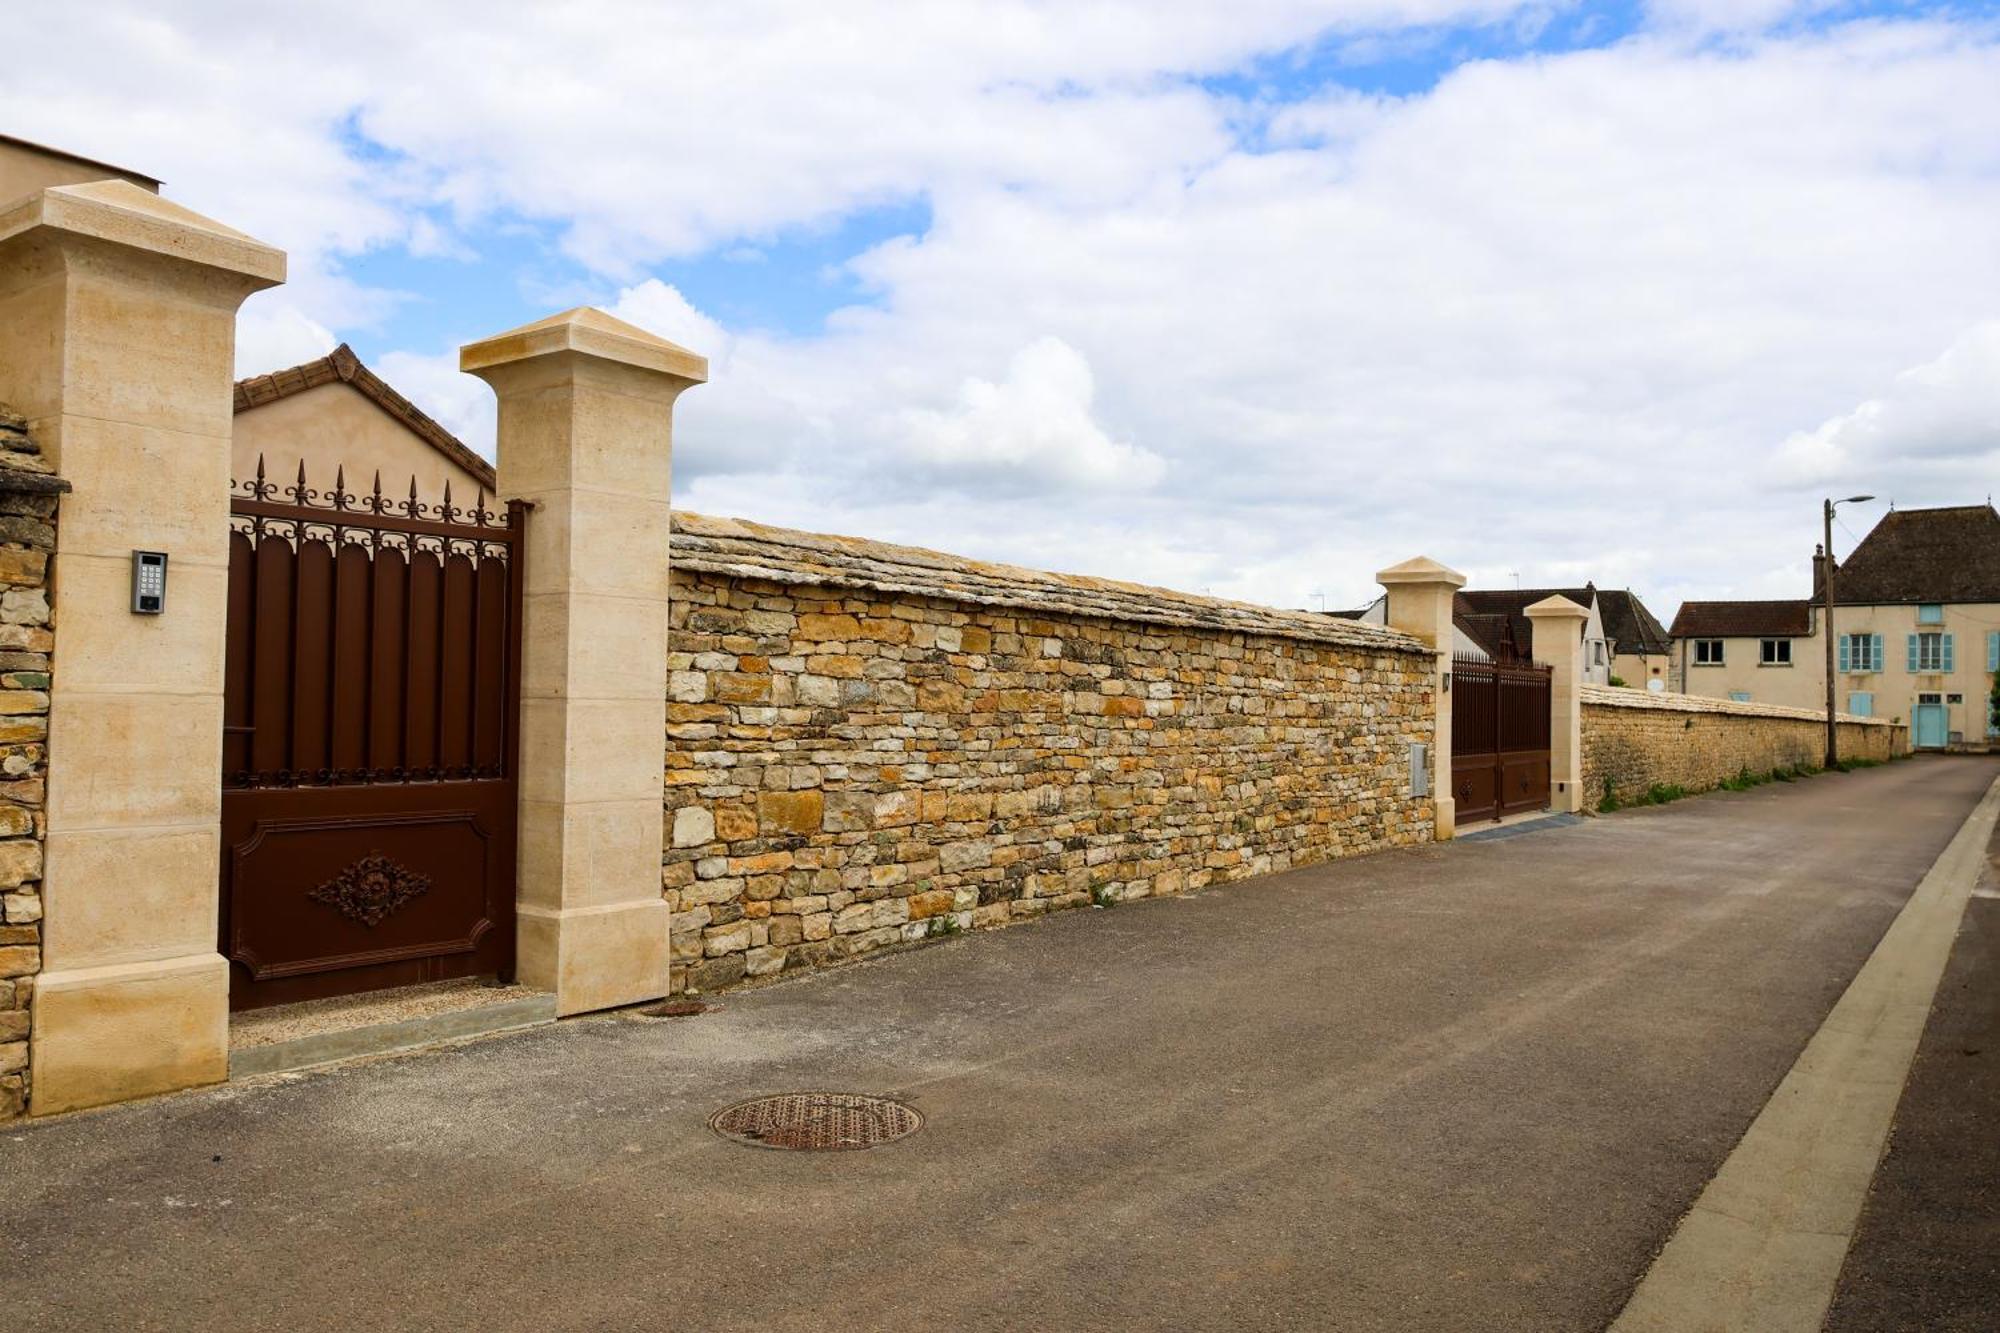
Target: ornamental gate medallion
370	709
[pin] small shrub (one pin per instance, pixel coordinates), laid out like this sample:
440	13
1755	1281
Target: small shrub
1619	681
1660	793
1103	896
1609	804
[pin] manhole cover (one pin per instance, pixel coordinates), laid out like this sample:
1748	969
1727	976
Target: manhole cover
674	1009
816	1121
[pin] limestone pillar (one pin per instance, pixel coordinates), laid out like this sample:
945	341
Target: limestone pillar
117	342
586	437
1556	640
1420	596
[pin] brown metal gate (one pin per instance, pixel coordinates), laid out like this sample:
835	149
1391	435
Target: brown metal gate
370	740
1499	738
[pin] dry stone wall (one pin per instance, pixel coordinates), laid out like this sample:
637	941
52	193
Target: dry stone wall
28	497
870	745
1634	740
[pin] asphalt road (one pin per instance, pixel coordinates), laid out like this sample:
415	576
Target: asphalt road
1462	1087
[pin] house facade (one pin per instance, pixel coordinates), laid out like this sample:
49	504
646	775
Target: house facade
1916	624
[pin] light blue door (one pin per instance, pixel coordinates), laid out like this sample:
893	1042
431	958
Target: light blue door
1931	731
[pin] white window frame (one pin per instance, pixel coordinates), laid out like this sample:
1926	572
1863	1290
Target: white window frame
1930	651
1774	652
1708	652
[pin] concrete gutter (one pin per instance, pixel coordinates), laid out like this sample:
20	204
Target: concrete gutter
1761	1251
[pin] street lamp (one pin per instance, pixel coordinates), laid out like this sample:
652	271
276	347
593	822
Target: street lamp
1826	616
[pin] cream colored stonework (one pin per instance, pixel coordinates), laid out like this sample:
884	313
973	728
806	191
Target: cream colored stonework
1419	602
117	336
586	437
1557	639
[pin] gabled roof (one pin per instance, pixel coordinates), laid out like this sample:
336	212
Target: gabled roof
342	366
1479	612
1924	555
108	168
1742	620
1628	624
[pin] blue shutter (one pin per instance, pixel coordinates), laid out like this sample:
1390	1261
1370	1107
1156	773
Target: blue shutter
1846	652
1913	654
1875	652
1993	651
1945	665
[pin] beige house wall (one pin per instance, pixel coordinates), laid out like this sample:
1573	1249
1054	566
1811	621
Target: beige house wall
1895	688
336	425
1637	669
26	168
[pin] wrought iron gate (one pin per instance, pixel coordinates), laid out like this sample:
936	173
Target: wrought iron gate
370	740
1499	738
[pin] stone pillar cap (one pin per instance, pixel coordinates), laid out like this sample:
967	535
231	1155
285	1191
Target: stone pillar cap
1423	569
121	213
590	332
1551	608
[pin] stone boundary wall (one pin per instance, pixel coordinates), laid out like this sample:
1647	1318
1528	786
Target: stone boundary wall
1634	739
872	745
28	498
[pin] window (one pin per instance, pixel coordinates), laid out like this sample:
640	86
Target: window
1954	698
1993	651
1930	613
1597	652
1740	696
1708	652
1861	704
1775	652
1860	652
1930	652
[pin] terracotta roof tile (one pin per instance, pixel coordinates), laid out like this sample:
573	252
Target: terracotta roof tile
1742	620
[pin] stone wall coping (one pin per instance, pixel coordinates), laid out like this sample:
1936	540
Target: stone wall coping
738	548
588	331
120	212
1616	696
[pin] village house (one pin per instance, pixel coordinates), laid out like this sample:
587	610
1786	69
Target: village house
1917	620
1622	641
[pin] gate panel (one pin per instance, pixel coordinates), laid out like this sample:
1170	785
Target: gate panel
1499	738
370	749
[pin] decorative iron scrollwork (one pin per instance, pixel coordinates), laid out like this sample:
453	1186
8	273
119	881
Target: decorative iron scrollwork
371	889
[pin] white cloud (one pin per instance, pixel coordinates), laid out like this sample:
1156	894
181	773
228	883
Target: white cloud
1555	315
1033	431
1935	428
273	333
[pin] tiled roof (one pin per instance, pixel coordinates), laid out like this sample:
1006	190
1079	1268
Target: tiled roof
1628	624
1925	555
1508	605
341	365
738	548
1740	620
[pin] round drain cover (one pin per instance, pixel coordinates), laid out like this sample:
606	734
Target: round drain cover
816	1121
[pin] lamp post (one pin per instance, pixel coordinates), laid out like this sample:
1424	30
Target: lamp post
1826	617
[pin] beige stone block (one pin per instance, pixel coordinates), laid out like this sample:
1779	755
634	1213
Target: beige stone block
127	896
589	646
597	957
32	299
135	486
597	542
125	760
590	854
593	749
109	1034
150	345
106	647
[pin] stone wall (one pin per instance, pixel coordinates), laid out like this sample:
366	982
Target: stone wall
870	745
28	496
1634	740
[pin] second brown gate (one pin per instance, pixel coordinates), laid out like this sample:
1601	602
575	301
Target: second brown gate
1499	738
371	700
